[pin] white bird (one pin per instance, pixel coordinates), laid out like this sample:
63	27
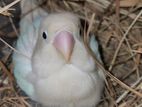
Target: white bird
58	71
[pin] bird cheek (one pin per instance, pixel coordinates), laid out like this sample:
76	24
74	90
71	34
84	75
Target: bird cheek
64	43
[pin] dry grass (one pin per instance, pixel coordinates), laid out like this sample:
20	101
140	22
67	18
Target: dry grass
118	27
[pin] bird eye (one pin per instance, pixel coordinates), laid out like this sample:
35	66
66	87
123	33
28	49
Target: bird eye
44	35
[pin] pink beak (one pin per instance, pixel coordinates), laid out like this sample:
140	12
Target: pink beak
64	43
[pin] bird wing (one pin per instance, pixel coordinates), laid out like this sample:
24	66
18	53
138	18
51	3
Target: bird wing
29	26
94	46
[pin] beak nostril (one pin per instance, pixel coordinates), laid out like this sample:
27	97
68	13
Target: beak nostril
64	43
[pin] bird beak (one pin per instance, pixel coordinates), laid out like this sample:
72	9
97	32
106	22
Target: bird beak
64	43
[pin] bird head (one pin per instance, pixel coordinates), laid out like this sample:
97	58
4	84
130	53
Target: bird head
59	44
59	30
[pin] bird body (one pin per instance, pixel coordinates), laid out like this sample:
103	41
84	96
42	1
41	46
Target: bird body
58	71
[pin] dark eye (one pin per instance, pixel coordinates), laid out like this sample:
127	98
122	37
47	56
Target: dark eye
44	35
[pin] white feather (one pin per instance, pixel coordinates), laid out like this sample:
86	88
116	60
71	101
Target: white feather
45	76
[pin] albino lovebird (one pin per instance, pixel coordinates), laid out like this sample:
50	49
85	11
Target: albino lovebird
55	68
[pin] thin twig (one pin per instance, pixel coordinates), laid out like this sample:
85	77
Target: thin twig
12	48
13	26
6	71
126	92
111	76
137	51
8	6
122	40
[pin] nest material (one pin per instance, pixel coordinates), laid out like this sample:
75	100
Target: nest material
118	27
